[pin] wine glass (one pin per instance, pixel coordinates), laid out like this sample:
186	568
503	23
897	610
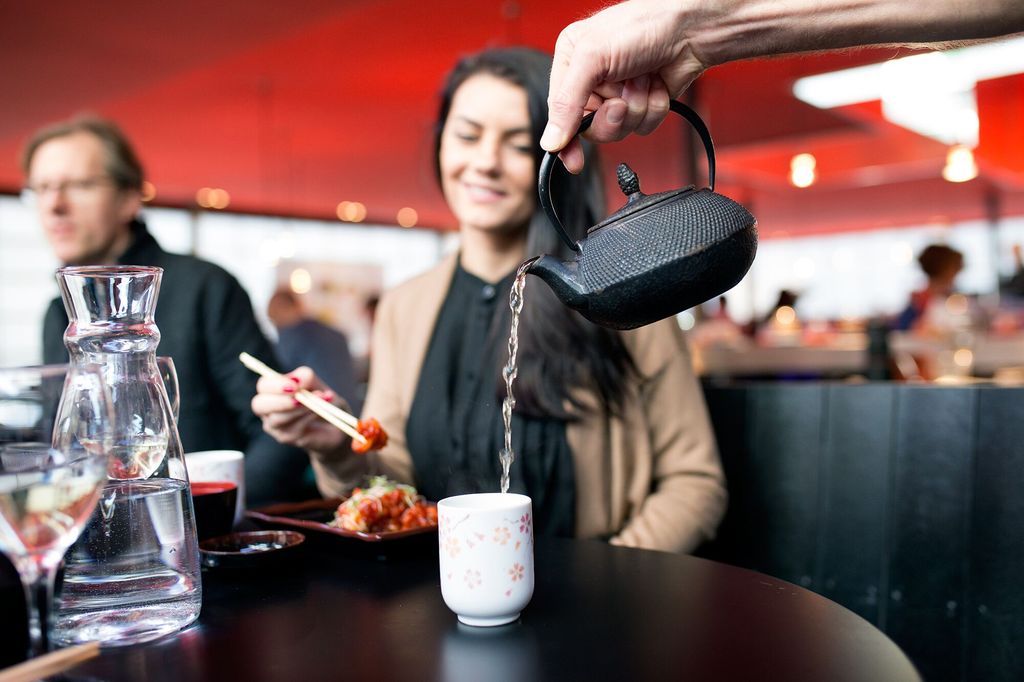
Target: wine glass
50	481
168	373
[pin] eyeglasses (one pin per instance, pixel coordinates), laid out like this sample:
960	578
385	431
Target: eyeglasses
75	190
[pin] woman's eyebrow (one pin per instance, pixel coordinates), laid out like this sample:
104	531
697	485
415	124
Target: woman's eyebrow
476	124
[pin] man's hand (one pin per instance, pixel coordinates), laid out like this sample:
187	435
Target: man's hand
624	63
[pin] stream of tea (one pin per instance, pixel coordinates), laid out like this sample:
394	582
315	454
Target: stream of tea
515	302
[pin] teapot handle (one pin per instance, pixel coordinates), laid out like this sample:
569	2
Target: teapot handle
547	165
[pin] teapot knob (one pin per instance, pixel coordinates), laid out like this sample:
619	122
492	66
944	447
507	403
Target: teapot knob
629	183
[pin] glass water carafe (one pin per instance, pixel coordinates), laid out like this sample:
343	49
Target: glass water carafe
133	575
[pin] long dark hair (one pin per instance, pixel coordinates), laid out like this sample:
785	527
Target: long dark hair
559	350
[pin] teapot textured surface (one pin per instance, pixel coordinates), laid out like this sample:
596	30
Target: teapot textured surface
647	241
656	256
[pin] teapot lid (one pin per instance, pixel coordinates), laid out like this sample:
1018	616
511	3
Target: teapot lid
637	201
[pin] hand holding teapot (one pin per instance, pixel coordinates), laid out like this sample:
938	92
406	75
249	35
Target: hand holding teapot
656	256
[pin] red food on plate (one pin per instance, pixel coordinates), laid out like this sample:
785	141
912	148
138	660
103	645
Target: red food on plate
375	435
384	506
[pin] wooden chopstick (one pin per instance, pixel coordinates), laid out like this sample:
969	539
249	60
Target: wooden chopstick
319	406
330	413
263	370
333	409
50	664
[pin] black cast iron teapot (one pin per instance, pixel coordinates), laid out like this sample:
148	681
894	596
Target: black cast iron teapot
657	255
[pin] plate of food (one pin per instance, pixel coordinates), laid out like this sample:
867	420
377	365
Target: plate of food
382	510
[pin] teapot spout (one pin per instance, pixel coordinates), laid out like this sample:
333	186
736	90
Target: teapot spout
563	278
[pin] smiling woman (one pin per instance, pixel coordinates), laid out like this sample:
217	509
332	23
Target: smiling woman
611	429
486	158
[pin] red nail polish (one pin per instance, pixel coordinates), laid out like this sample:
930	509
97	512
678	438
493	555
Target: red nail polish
327	395
288	389
295	379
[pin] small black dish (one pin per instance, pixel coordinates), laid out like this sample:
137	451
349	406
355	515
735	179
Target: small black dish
249	548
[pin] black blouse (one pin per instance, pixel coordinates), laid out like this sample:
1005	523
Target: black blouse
455	428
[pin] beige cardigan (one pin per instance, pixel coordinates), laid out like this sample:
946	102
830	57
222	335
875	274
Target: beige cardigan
651	478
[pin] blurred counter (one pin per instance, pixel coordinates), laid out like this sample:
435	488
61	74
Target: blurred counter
759	361
964	356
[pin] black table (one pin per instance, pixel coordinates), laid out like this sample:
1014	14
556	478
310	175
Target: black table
598	612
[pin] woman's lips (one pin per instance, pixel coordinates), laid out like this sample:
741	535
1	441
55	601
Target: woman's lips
482	194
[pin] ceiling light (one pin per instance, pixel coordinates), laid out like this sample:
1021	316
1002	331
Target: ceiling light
300	281
963	357
407	217
785	316
865	83
960	164
351	212
931	94
219	199
840	88
209	197
358	212
802	170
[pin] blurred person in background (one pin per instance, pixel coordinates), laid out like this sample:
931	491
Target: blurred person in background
715	329
711	331
781	326
363	363
927	310
1014	286
786	302
305	342
610	429
85	182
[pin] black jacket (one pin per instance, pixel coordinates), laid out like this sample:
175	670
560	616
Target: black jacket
206	320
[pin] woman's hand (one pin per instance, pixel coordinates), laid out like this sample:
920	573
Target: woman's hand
289	422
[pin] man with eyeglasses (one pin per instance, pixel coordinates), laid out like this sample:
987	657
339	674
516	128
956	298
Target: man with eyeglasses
85	182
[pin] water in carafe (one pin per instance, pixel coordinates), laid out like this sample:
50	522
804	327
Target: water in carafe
133	575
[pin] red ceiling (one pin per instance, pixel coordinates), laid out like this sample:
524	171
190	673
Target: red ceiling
294	107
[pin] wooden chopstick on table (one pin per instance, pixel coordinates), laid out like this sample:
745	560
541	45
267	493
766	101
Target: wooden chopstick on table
329	412
50	664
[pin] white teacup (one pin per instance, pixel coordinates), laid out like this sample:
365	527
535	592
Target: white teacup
486	550
219	465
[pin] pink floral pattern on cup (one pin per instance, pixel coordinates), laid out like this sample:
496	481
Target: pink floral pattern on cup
486	555
472	578
502	535
451	546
